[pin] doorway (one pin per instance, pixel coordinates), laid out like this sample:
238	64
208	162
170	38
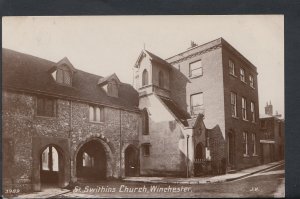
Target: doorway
131	161
91	162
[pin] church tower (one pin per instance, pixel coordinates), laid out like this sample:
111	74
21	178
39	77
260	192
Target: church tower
151	75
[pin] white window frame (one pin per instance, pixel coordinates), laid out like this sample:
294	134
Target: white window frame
244	108
231	67
200	106
233	97
200	68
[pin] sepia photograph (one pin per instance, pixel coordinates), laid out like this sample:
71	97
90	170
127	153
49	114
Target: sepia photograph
151	106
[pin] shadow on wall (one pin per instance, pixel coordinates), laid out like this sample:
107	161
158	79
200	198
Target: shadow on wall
217	145
178	82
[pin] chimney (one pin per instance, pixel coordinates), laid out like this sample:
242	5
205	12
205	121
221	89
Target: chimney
269	109
193	44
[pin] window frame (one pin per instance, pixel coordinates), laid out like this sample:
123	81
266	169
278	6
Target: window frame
231	65
63	72
233	105
252	110
251	81
245	144
244	108
44	99
146	149
191	103
94	114
145	120
242	75
145	73
191	70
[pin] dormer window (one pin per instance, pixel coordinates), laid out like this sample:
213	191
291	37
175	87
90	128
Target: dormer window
63	71
112	88
110	85
63	76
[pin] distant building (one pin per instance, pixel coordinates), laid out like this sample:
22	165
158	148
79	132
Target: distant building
272	135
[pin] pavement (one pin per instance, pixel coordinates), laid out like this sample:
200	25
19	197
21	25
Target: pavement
208	179
57	192
49	192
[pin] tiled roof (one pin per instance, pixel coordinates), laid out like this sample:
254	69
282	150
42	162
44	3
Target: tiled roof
182	115
26	72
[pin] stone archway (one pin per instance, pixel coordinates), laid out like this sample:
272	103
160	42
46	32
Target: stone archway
131	160
93	160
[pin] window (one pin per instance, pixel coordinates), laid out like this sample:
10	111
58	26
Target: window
96	114
45	107
233	104
242	73
161	79
87	161
252	112
231	68
244	108
196	69
251	80
145	78
197	103
254	143
245	143
145	118
112	88
146	149
50	159
63	76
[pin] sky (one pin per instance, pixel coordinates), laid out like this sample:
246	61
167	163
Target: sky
104	45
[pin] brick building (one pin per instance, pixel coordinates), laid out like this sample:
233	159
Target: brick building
214	80
61	124
272	135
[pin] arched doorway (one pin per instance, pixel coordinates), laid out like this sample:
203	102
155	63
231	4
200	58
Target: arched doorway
199	160
91	162
231	143
51	167
131	161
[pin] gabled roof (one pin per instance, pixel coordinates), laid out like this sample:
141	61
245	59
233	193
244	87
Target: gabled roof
63	61
194	121
28	73
153	58
104	80
182	115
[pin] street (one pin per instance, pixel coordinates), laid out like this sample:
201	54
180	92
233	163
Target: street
267	183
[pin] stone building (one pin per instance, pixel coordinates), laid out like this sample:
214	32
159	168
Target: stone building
189	115
213	80
61	124
272	135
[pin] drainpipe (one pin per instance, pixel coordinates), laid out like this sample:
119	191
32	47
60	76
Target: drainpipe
187	156
120	144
